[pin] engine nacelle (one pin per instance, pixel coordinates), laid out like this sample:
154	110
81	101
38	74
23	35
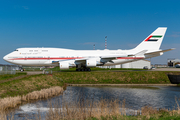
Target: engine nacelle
64	65
91	63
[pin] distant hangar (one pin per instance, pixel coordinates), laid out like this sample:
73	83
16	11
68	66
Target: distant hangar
140	64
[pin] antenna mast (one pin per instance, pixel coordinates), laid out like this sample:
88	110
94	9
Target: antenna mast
106	42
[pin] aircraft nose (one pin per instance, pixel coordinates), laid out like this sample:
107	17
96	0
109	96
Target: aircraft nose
5	58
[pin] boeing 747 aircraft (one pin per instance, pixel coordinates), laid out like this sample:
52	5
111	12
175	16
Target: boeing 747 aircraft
83	60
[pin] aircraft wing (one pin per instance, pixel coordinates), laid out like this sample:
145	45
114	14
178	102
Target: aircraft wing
112	56
157	53
76	60
79	60
161	51
108	58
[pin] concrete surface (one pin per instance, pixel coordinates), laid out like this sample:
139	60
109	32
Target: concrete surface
34	72
166	69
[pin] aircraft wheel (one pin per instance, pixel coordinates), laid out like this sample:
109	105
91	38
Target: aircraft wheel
89	69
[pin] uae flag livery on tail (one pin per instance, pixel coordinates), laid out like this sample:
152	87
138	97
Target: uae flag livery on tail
153	38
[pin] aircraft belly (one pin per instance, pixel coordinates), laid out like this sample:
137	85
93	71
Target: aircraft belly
32	62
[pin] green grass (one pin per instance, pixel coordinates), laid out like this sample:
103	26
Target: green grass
37	82
8	76
129	77
27	85
163	117
95	69
32	68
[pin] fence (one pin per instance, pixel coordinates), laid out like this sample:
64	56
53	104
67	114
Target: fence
47	71
7	70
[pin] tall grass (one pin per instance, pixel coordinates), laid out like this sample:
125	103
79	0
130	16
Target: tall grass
105	110
12	102
89	109
86	109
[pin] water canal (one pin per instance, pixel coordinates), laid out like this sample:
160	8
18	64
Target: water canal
135	98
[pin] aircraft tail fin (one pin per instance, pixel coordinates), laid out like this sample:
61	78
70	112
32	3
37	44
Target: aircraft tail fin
153	41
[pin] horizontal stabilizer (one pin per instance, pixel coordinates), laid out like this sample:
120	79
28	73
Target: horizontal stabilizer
161	51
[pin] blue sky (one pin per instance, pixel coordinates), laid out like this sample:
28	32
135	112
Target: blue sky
78	24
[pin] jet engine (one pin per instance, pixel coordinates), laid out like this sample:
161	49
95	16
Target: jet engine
91	63
64	65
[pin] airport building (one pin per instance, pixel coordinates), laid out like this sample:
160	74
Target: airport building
160	65
140	64
173	62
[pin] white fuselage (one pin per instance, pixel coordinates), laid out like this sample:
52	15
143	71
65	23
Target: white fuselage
48	56
84	59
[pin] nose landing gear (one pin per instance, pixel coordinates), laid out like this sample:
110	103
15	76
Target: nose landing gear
21	69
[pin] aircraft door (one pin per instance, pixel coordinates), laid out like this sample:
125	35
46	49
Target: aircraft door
48	60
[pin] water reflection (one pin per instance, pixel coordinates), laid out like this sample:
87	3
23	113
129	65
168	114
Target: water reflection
164	97
135	97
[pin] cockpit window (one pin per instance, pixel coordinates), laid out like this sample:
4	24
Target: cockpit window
15	50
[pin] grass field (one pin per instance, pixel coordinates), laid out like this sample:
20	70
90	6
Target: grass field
37	82
26	85
96	69
8	76
23	86
129	77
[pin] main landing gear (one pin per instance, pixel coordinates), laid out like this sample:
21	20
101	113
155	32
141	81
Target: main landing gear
21	69
83	69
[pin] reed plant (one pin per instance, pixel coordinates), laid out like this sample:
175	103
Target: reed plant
105	110
12	102
89	109
4	116
86	110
